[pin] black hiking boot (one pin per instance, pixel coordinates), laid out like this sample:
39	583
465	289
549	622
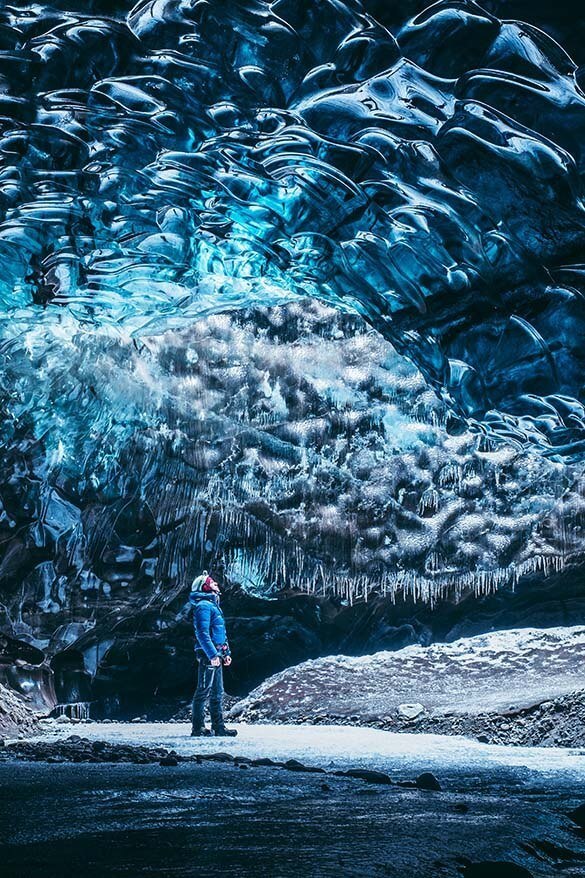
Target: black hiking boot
223	732
197	732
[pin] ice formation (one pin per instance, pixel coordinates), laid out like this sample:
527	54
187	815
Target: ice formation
338	747
226	226
188	157
292	443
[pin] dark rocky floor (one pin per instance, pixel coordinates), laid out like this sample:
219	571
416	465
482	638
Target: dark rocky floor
204	819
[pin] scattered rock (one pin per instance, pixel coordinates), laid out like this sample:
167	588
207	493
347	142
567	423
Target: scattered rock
428	781
369	775
410	711
168	761
578	815
295	765
218	757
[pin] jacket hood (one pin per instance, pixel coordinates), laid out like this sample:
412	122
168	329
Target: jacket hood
196	596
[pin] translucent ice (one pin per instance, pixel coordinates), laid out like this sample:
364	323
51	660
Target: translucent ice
188	157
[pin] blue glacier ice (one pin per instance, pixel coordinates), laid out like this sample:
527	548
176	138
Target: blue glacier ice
195	156
293	291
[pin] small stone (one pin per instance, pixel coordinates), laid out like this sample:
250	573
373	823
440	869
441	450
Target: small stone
169	760
410	711
369	775
295	765
483	739
428	781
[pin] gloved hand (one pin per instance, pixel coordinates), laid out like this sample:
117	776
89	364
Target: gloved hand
227	661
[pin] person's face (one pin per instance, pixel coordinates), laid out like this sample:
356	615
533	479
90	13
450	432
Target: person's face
214	587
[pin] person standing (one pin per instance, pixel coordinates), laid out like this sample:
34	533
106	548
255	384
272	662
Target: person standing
213	652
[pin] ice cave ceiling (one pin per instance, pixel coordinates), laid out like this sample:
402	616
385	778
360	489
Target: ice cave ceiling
294	287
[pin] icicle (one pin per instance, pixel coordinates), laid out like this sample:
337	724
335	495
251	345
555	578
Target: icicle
75	710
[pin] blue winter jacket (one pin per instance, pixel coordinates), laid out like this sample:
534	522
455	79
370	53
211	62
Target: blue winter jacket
209	624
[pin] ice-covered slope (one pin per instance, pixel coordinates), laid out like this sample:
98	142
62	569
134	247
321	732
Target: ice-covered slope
498	672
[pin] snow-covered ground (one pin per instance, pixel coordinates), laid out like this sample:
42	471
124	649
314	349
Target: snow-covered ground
337	747
496	672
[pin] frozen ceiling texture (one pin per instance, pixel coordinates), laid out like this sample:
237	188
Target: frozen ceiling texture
294	289
187	156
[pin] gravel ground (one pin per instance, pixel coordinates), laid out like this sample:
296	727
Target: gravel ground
556	723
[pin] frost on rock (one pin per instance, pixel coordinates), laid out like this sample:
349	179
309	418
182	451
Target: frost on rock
16	713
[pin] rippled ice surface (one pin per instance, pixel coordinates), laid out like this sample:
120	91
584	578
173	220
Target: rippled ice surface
180	158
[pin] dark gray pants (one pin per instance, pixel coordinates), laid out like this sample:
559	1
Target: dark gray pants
209	688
